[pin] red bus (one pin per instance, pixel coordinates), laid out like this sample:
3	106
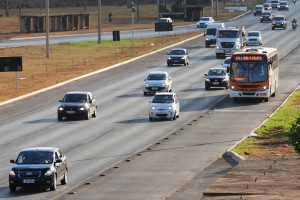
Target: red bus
254	73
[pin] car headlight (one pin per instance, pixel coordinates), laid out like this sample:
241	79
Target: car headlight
48	172
264	88
207	80
81	108
163	84
153	108
60	108
146	84
170	108
182	58
237	47
12	173
224	80
217	47
169	58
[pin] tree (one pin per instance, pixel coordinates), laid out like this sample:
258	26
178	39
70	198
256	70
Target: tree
294	135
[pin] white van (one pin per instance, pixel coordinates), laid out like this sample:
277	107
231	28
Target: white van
210	35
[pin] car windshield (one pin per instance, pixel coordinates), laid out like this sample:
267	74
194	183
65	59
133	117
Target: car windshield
250	34
258	7
217	72
157	77
248	72
204	19
80	98
211	31
266	14
283	3
162	21
163	99
228	34
177	52
274	1
278	19
35	157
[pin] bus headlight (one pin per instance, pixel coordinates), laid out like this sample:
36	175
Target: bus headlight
264	88
233	88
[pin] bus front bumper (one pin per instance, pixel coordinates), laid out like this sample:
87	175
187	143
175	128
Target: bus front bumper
252	94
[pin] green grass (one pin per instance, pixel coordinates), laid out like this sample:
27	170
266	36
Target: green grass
274	131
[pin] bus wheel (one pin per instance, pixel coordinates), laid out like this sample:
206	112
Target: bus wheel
266	99
235	99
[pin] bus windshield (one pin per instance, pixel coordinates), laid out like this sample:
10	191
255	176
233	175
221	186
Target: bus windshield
249	72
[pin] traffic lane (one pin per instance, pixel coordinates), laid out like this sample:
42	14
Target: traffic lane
170	168
58	133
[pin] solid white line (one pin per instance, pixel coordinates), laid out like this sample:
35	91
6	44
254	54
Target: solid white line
227	110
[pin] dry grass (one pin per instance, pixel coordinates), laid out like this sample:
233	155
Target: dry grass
71	60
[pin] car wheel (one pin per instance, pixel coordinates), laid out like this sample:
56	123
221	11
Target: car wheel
169	65
184	63
12	187
86	117
207	87
174	118
273	28
226	87
53	186
64	181
94	114
150	118
145	93
177	116
59	117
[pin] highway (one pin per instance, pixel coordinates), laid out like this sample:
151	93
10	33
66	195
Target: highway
122	128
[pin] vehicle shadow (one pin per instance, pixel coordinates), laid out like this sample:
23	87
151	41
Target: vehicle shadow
21	192
42	121
142	120
131	95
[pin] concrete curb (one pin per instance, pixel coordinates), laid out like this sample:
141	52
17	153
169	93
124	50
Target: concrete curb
92	73
238	158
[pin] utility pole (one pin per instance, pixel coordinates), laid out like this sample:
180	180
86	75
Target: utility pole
132	32
7	14
20	8
212	9
47	28
85	5
99	21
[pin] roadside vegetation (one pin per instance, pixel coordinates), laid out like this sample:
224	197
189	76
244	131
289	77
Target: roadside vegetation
274	136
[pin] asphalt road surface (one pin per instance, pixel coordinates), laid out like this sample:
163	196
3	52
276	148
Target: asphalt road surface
122	129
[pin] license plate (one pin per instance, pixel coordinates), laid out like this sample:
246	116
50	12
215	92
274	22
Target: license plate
216	83
227	51
175	61
70	112
28	181
154	88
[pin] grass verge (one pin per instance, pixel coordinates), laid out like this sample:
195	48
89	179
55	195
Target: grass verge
272	136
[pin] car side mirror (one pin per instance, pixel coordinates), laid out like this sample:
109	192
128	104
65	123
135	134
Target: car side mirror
145	79
222	64
91	101
59	100
205	74
12	161
58	161
204	34
150	101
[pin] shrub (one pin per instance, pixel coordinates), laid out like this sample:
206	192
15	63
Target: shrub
294	135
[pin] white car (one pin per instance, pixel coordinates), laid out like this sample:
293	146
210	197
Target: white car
226	64
254	38
158	81
204	21
164	105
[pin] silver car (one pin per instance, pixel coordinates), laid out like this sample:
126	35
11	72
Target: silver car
158	81
254	38
164	105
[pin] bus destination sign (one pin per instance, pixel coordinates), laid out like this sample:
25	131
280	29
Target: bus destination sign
249	58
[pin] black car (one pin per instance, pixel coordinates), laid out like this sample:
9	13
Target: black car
216	77
283	5
41	166
279	22
267	16
77	104
178	56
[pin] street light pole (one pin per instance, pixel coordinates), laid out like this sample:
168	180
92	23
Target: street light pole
47	29
99	21
132	32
